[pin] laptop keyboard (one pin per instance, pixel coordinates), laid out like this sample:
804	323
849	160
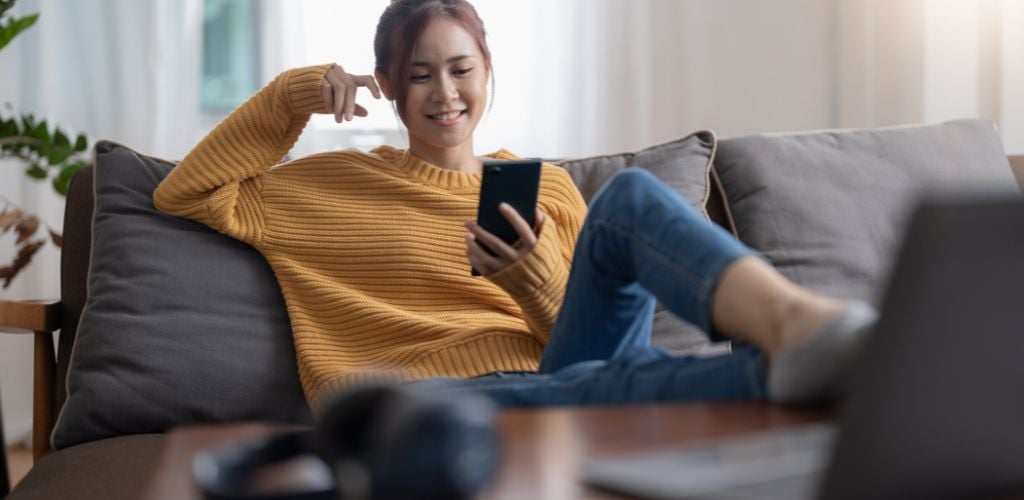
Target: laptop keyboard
783	463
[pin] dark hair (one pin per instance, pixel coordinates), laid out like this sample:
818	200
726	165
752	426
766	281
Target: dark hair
400	27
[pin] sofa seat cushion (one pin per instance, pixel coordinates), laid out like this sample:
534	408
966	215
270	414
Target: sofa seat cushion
109	469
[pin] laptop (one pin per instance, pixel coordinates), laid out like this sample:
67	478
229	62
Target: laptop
937	405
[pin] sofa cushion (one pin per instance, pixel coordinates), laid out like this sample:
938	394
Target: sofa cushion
166	337
111	469
683	164
827	208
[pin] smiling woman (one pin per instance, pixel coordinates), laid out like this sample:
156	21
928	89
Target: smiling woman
373	249
439	85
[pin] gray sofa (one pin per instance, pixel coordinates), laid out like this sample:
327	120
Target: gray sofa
108	445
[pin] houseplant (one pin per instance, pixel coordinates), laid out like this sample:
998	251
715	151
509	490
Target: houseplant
46	151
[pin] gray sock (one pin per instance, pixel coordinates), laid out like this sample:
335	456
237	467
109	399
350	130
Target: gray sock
818	369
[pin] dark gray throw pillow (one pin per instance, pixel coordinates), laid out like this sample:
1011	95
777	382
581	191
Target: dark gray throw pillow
685	165
828	208
182	325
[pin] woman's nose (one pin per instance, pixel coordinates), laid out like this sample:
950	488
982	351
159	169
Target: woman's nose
445	90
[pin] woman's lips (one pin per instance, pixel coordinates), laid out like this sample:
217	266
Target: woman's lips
447	119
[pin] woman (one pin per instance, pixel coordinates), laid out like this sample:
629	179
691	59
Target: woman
373	250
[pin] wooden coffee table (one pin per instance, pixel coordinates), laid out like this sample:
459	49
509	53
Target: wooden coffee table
542	450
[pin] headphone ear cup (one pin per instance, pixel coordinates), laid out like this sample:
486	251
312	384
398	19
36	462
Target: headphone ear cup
412	446
344	431
442	447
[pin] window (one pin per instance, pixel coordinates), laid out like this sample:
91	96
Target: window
230	54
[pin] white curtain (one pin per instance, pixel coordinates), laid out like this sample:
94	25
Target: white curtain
912	61
117	69
596	76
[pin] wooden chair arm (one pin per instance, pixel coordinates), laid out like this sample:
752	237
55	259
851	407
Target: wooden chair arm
42	318
1017	165
27	316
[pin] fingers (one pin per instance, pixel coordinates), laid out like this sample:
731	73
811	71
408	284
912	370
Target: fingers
336	79
350	101
370	83
327	92
479	258
504	250
339	93
504	254
526	234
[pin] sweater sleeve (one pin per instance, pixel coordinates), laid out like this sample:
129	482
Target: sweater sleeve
537	281
218	183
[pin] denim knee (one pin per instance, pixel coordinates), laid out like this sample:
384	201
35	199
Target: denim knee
623	193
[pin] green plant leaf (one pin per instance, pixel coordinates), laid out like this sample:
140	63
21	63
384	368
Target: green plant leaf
41	132
15	27
59	139
36	172
60	150
61	187
28	122
5	5
8	128
58	155
63	179
82	143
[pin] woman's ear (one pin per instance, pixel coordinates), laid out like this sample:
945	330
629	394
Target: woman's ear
385	85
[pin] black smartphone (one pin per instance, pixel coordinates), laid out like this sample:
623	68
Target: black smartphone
515	182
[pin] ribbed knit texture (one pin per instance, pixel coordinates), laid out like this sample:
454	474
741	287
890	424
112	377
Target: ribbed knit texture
368	247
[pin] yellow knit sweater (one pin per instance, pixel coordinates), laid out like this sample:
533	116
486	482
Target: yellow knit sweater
368	247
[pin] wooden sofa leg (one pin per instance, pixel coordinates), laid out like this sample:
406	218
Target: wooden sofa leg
42	394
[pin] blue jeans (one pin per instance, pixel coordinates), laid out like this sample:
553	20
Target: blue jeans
640	241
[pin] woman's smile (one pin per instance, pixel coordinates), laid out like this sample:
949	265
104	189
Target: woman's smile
448	118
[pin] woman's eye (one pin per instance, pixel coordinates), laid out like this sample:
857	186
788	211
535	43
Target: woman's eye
464	71
419	78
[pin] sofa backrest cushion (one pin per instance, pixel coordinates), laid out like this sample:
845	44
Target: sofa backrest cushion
685	165
181	325
828	208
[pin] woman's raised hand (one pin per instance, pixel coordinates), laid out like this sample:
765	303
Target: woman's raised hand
339	92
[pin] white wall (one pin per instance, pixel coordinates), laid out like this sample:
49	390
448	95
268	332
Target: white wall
644	72
1011	78
914	61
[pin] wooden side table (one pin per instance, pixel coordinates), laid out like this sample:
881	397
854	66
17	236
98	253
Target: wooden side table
542	450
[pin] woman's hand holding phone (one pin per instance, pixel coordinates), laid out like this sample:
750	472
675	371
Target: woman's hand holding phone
504	254
339	92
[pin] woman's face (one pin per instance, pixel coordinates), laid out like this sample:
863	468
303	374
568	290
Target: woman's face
447	90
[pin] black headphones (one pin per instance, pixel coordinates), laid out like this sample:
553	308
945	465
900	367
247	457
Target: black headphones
374	442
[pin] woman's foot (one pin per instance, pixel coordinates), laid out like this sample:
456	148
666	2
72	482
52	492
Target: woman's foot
817	346
810	339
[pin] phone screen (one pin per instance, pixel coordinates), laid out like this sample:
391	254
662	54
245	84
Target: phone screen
515	182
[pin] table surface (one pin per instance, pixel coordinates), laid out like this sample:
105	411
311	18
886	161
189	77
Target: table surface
543	451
